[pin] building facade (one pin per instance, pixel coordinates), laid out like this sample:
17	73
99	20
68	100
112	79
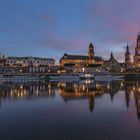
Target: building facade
112	64
29	61
81	60
2	59
137	52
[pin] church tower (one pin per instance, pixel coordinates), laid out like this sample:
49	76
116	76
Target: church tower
127	56
137	52
91	51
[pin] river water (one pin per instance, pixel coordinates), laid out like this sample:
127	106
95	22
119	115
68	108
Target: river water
85	110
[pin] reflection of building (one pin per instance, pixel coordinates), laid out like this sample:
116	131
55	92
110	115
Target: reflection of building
81	60
87	90
91	103
127	95
137	99
27	61
25	91
84	90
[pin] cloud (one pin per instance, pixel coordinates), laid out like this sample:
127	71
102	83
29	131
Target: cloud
115	21
61	43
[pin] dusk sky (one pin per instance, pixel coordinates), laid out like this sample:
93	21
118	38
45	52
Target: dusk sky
49	28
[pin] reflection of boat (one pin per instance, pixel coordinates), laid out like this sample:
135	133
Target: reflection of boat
86	76
87	81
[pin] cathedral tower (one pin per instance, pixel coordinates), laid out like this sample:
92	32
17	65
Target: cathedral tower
91	51
127	56
137	52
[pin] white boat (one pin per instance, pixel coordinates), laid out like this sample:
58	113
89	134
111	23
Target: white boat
86	76
20	78
64	78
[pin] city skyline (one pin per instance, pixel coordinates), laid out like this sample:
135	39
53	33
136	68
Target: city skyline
51	28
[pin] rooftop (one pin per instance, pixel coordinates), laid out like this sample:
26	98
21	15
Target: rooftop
26	58
79	57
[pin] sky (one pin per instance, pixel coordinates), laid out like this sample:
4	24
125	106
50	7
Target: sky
50	28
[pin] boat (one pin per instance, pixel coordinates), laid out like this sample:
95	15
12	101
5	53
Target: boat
106	76
86	76
20	78
64	78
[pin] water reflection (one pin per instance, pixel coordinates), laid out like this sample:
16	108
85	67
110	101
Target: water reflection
87	90
108	110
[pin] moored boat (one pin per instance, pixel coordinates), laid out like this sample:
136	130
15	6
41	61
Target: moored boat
86	76
64	77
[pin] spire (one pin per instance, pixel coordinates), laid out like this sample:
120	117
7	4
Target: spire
111	55
138	35
127	44
138	39
127	47
91	51
127	55
91	45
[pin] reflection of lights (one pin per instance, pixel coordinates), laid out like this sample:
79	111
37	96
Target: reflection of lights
139	89
15	90
64	84
87	81
97	85
49	91
21	87
49	86
58	84
11	92
134	88
21	95
24	91
121	84
37	91
108	86
83	87
18	94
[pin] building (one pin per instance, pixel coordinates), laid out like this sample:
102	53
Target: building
112	64
127	57
81	60
29	61
137	52
2	59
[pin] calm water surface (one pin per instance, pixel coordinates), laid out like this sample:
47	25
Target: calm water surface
70	111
